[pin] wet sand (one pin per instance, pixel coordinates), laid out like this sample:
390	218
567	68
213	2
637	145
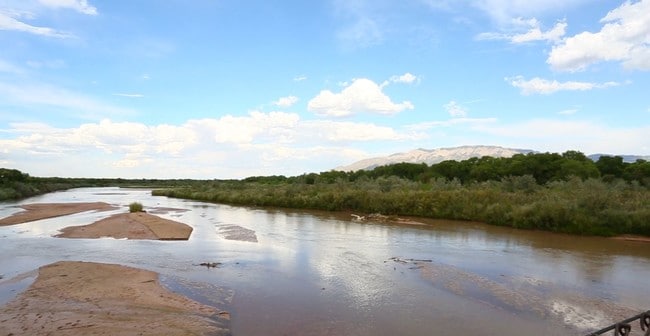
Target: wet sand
83	298
39	211
137	225
236	232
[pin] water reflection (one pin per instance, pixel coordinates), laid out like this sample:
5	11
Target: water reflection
319	273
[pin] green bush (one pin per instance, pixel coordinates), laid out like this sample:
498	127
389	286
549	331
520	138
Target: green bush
135	207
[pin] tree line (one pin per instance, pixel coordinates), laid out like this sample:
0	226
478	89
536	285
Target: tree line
565	192
543	167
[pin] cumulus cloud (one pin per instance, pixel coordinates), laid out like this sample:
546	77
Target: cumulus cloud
362	95
544	86
624	37
252	144
455	110
337	131
286	101
407	78
527	31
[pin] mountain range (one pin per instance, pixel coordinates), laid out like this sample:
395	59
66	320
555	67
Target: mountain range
433	156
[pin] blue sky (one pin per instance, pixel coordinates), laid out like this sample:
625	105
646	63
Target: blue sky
232	88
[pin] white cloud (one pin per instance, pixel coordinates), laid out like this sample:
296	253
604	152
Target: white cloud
129	95
337	131
364	32
80	6
425	126
362	95
407	78
527	31
52	64
455	110
7	67
46	95
561	135
286	101
624	37
9	20
230	146
544	86
299	78
502	11
568	112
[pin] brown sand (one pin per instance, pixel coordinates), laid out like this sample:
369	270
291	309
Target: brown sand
38	211
136	225
82	298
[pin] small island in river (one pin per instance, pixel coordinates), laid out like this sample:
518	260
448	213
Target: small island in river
135	225
84	298
38	211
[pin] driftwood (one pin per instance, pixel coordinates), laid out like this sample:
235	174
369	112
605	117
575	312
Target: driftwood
210	264
377	217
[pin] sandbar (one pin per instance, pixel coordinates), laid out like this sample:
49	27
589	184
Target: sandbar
39	211
135	225
83	298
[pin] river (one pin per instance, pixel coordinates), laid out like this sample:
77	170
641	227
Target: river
319	273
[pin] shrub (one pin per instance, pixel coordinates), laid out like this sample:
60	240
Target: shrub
135	207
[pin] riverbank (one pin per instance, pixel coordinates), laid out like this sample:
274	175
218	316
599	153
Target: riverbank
576	206
83	298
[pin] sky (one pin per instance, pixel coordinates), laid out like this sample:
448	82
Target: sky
224	89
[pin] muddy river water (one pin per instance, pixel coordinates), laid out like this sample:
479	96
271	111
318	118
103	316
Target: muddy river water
289	272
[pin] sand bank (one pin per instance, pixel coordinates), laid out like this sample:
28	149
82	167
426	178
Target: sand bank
38	211
137	225
82	298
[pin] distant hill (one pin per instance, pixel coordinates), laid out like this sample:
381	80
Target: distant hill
626	158
432	156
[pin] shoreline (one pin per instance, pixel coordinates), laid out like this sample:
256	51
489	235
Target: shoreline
80	298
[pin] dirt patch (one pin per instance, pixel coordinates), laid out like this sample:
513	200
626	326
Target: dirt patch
39	211
137	225
81	298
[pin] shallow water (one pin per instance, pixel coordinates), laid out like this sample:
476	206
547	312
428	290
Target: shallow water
316	273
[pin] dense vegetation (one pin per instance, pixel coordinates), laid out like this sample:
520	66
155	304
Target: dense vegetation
15	184
556	192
